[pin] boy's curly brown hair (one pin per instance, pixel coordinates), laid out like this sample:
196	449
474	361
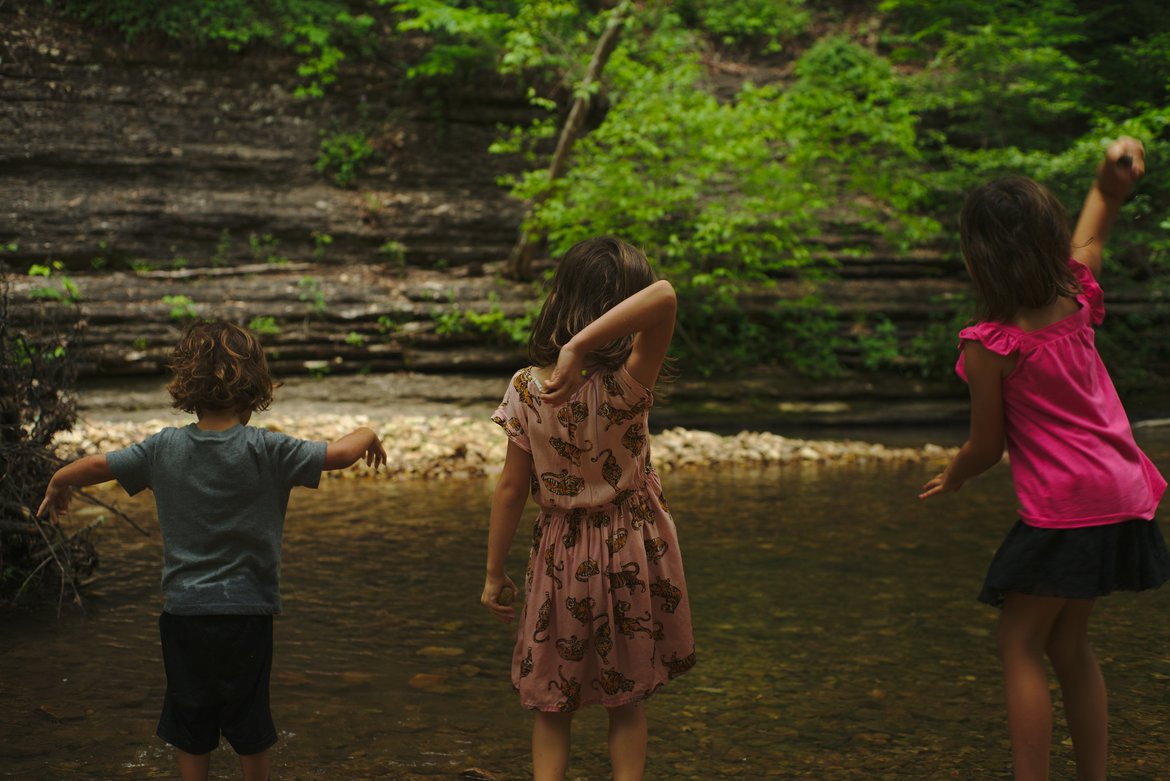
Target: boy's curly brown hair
218	366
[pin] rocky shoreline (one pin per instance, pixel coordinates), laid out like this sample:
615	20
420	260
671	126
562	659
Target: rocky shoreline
459	446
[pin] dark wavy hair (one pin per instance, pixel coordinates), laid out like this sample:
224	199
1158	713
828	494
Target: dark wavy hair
1015	237
218	366
593	276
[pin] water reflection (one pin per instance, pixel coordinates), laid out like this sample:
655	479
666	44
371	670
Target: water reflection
837	630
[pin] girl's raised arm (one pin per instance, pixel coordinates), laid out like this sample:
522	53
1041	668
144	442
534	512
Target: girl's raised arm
1124	164
648	315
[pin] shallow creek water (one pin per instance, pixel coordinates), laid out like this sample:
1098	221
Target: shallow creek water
838	638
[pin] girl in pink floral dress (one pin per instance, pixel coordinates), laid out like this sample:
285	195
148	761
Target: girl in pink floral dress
606	617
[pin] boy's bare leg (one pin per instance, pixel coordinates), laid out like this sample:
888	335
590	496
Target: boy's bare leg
255	766
193	767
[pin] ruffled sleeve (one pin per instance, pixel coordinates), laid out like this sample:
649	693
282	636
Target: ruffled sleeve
997	337
1091	293
513	413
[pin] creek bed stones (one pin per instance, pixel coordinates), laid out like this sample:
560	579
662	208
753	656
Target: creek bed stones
456	446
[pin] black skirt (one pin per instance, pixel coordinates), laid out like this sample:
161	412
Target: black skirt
1082	563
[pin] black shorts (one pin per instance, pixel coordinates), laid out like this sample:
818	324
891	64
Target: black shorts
217	681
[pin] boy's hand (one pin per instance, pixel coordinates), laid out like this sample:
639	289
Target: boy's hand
56	502
375	453
1124	164
499	593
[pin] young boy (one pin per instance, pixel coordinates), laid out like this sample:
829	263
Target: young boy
221	488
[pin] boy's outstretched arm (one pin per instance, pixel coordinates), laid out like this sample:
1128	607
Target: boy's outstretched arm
362	442
89	470
1124	164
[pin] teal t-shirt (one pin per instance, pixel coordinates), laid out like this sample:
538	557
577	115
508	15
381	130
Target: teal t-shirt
221	498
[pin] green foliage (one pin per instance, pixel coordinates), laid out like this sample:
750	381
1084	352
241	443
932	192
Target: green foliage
265	248
264	325
312	295
493	323
763	24
462	35
344	155
354	339
65	290
68	290
878	344
182	307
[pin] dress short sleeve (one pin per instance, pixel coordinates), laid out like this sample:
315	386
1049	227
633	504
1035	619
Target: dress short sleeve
519	404
1091	293
997	337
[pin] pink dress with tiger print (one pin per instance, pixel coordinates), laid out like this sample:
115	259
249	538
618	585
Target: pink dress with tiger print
606	617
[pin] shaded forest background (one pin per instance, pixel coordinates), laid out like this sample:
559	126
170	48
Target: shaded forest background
349	177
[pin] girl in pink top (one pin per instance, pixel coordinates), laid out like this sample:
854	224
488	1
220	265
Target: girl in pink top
1087	493
606	618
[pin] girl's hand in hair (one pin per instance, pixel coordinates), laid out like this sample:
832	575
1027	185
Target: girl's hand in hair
567	377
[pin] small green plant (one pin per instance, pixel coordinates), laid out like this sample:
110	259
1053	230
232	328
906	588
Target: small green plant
387	324
182	307
179	263
354	339
317	369
222	248
68	291
140	343
312	295
321	242
264	325
344	155
265	248
394	252
141	266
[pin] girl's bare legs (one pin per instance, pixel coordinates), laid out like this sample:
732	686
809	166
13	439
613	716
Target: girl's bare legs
1025	625
193	767
1083	688
627	741
255	766
550	746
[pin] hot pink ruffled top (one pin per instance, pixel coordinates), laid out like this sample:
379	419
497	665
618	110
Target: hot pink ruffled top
1073	456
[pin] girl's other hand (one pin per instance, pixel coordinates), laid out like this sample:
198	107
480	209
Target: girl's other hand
568	375
1124	164
499	593
939	484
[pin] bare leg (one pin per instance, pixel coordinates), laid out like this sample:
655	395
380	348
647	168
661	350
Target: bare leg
255	766
193	767
1083	688
550	746
1024	626
627	741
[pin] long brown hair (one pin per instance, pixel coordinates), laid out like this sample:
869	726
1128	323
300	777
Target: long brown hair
219	365
594	276
1015	236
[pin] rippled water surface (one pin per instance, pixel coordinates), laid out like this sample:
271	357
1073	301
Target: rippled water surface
838	638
